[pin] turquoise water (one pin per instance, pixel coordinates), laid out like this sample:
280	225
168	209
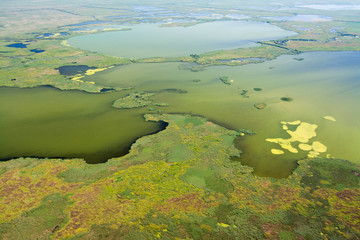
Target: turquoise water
150	40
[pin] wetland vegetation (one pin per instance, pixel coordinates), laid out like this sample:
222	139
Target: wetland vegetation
206	121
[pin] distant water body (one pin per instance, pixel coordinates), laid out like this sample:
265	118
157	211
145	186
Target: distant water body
151	40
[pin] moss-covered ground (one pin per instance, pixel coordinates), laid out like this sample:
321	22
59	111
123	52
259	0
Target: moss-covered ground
179	183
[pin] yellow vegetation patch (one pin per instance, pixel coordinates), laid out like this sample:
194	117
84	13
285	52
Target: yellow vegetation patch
77	78
319	147
93	71
305	147
330	118
313	154
65	43
303	133
277	151
297	122
223	225
284	143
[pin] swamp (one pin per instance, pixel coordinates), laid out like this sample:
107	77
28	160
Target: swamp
168	120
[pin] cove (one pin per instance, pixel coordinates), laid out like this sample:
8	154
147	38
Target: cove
46	122
151	40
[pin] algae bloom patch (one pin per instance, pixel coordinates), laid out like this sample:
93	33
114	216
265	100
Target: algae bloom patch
277	151
301	135
330	118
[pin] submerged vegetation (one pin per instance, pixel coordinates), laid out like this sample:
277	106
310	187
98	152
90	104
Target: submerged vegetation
225	80
286	99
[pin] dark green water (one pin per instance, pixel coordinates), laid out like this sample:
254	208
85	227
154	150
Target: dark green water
45	122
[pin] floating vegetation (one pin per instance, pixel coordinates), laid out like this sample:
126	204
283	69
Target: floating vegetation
225	80
286	99
260	105
257	89
160	104
134	100
330	118
176	90
303	133
196	80
319	147
277	151
246	132
297	122
305	147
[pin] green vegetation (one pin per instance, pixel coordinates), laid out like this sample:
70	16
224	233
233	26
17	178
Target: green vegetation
260	105
225	80
134	100
181	182
178	183
19	67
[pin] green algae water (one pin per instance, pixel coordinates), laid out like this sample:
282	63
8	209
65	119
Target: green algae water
322	84
46	122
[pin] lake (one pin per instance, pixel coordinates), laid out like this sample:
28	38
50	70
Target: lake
46	122
150	40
